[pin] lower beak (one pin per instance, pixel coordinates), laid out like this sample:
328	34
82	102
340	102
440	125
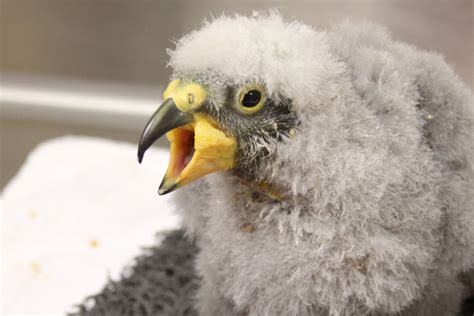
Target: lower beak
198	146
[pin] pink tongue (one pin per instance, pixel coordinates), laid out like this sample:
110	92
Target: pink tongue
188	158
186	154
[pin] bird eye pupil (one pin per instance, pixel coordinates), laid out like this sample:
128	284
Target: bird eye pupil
251	98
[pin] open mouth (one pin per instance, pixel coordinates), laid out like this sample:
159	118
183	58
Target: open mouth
182	150
197	149
199	146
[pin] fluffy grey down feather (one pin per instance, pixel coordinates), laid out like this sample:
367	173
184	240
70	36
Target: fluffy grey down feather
163	283
376	213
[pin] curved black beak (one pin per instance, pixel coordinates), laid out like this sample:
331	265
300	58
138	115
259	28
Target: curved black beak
166	118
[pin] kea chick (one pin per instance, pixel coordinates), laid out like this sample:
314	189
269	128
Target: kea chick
345	159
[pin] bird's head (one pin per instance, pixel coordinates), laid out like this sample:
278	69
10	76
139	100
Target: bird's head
234	96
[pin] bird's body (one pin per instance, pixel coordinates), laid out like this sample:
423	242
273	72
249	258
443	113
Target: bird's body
360	201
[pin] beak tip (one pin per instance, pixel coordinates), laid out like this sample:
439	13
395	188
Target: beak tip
166	189
165	118
141	152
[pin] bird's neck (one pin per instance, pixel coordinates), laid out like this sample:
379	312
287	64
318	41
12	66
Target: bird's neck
268	190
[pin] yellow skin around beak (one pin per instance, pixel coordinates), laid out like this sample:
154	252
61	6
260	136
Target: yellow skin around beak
211	149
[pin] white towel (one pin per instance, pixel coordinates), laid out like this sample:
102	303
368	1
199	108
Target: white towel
77	212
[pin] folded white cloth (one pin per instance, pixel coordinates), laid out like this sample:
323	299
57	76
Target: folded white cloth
77	212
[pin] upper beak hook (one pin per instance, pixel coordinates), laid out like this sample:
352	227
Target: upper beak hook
166	118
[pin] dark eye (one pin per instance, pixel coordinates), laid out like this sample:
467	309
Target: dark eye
251	98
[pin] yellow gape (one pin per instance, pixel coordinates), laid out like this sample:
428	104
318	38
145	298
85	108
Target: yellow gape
210	151
199	145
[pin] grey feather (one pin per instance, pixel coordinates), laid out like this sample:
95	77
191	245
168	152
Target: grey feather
375	213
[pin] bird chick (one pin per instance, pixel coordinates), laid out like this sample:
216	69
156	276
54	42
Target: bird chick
321	172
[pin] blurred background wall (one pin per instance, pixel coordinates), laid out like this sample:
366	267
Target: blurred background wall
123	44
